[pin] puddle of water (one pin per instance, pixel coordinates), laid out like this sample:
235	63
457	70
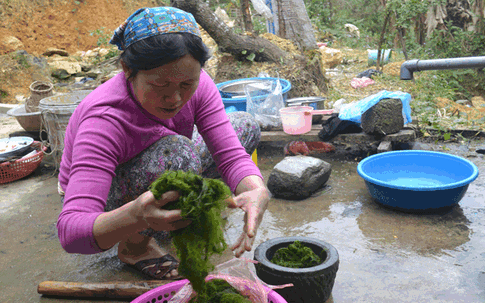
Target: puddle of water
384	253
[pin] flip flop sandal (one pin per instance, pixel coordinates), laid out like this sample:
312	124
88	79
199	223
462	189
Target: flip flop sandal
154	268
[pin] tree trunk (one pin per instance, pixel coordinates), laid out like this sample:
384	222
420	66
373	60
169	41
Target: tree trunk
459	13
400	33
381	40
241	47
295	25
478	16
420	29
246	15
455	11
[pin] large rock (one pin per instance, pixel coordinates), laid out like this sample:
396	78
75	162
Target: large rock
10	43
478	102
384	118
51	51
39	62
298	177
70	67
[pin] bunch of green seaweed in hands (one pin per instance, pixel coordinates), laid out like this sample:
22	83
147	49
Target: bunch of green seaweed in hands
202	200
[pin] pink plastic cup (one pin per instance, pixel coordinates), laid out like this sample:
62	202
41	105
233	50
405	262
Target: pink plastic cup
297	120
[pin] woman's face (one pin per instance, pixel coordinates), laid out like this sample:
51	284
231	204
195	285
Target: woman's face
164	90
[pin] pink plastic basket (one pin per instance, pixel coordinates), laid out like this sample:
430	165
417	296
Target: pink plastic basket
164	293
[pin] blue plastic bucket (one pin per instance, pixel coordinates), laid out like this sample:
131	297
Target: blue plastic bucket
372	56
237	98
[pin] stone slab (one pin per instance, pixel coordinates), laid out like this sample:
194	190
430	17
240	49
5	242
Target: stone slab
402	136
384	146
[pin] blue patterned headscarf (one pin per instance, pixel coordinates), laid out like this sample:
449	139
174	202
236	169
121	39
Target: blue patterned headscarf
151	21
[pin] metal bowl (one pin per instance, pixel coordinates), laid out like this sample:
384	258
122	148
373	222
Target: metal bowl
29	121
14	146
236	89
417	180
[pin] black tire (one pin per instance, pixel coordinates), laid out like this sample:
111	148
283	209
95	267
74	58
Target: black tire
312	284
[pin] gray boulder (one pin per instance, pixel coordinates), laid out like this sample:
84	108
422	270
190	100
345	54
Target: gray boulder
25	58
298	177
384	118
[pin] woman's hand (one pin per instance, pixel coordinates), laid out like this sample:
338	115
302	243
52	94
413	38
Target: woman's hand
149	210
254	203
143	212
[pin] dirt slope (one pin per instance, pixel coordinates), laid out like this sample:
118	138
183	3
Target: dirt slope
66	26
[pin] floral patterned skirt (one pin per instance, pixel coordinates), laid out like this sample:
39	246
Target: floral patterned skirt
174	152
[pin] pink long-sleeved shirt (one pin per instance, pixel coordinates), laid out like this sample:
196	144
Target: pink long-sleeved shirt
109	127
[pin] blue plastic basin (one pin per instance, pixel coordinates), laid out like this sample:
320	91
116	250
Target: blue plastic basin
417	180
238	99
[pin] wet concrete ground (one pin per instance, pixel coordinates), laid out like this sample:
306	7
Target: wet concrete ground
385	256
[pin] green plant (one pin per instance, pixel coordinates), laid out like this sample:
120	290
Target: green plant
112	53
249	57
446	136
259	25
103	36
22	59
461	138
3	94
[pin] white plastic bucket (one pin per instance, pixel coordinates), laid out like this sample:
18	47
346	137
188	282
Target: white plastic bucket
372	56
55	114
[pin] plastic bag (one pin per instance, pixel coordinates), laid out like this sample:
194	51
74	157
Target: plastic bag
369	73
361	82
353	111
265	110
338	104
334	126
262	9
240	274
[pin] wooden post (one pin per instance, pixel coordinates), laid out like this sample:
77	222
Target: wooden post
118	290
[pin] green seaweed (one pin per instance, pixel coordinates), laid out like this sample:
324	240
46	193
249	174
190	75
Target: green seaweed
220	291
296	255
202	201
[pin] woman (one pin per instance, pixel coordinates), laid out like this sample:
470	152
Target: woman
140	123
